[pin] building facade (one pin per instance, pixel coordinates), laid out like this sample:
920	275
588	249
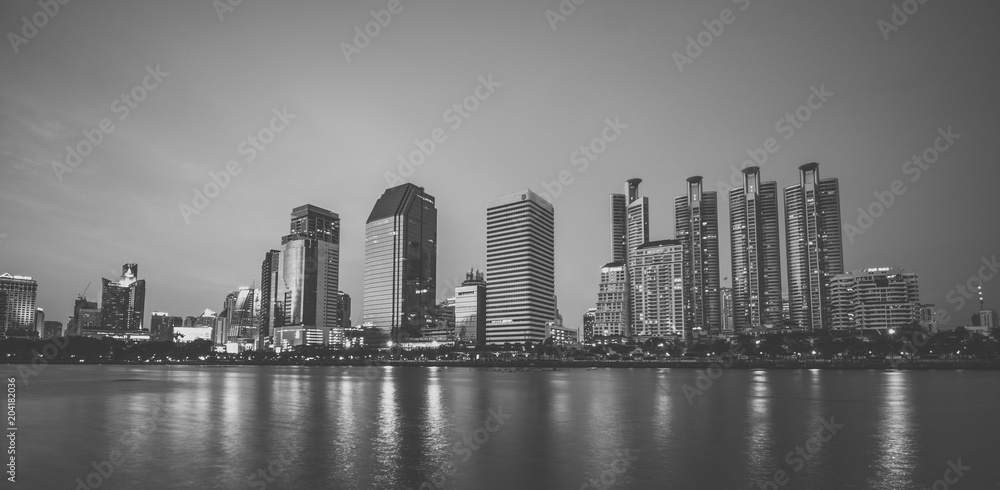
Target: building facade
520	267
658	294
756	254
814	246
17	302
613	299
470	309
123	301
162	326
308	270
881	298
401	262
696	224
270	308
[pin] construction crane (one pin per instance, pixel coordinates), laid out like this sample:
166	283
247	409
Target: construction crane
83	295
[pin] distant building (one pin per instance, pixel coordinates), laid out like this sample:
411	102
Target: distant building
814	246
589	319
185	334
563	335
658	297
39	321
88	319
520	268
75	326
470	309
270	309
928	317
881	298
344	309
297	335
162	326
17	303
309	269
728	322
123	301
442	327
696	225
985	318
242	313
400	283
52	329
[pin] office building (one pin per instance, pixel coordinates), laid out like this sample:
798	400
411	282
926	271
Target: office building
658	289
308	270
589	318
52	329
470	309
162	326
728	322
756	259
123	301
881	298
39	321
696	224
814	246
520	268
17	303
343	309
401	262
242	312
270	307
612	312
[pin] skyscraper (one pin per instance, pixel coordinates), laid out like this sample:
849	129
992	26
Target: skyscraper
629	229
696	223
470	309
17	303
162	325
612	312
309	269
520	267
401	262
756	264
270	308
242	313
618	206
658	293
343	309
123	301
815	250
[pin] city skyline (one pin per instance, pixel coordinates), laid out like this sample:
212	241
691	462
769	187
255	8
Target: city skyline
872	121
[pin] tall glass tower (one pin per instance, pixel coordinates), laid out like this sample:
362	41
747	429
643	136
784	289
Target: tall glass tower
696	223
123	301
520	268
755	238
815	246
401	262
308	270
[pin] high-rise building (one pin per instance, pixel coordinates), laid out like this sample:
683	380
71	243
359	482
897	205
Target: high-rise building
658	289
618	206
39	321
162	325
270	308
470	309
696	224
728	322
309	269
123	301
17	303
928	317
611	316
588	323
242	312
882	298
814	246
401	262
520	267
756	264
343	309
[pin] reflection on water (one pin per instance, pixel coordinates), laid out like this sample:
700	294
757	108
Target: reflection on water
328	427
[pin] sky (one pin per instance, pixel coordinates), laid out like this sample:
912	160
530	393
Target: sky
179	88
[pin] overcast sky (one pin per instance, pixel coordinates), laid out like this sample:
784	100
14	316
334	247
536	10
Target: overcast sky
555	83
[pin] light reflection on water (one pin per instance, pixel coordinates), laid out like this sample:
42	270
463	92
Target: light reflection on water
338	428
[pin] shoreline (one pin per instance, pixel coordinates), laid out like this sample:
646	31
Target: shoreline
548	365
